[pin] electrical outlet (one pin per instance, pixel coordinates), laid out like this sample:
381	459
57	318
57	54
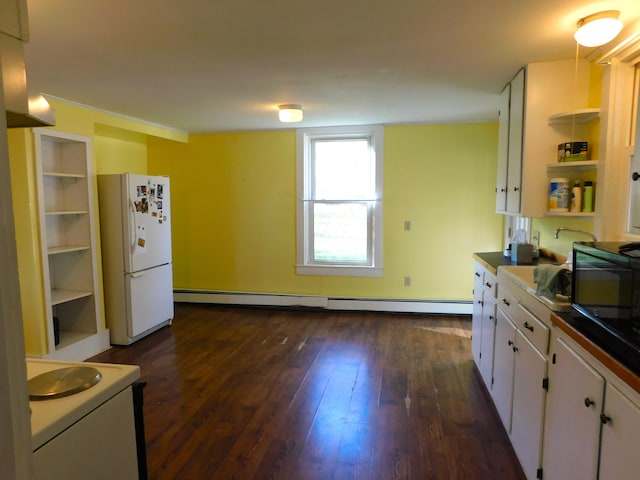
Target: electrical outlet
407	225
407	281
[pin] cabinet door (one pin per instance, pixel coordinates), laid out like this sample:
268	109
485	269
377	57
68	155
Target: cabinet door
572	421
503	358
476	318
528	404
487	338
516	128
503	150
619	457
100	446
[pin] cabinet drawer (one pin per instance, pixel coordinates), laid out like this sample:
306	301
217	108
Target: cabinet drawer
507	302
490	285
532	328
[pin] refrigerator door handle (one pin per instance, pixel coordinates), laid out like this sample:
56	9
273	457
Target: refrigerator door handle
136	275
132	231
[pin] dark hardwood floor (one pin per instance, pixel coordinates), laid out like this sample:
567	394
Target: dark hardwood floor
250	393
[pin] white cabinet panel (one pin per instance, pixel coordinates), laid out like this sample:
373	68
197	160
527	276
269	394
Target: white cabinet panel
101	446
476	317
619	458
503	364
503	150
572	422
516	125
487	338
528	404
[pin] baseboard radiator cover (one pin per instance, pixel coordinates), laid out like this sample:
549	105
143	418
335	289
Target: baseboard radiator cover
443	307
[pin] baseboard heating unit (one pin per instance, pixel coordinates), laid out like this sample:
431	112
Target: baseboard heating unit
442	307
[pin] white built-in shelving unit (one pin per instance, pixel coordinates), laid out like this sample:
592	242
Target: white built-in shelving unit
73	325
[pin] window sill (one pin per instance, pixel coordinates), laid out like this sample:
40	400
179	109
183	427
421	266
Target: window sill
339	271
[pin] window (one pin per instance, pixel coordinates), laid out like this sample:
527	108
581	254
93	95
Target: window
339	219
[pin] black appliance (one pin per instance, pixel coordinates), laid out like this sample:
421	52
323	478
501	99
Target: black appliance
606	297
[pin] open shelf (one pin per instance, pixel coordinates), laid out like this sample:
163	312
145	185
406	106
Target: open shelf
580	165
571	214
583	115
63	296
67	212
67	249
63	175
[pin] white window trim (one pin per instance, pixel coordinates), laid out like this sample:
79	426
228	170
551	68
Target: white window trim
304	137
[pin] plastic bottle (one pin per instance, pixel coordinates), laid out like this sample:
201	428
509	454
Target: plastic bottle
559	195
587	200
576	197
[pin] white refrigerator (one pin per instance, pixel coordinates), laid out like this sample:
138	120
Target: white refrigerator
135	229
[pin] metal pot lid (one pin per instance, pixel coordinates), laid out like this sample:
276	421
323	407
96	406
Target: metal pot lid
62	382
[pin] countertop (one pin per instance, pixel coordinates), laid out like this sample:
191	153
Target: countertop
493	260
51	417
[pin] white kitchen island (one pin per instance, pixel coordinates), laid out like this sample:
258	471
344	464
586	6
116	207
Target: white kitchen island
90	434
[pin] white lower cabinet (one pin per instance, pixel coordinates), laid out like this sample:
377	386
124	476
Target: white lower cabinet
476	315
619	458
100	446
503	366
529	397
519	394
568	416
487	342
483	322
591	428
515	336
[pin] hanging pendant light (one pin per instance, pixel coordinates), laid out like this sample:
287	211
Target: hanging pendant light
290	113
598	29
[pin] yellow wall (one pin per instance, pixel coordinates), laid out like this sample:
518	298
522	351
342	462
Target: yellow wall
233	212
25	212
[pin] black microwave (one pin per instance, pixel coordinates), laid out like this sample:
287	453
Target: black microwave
606	297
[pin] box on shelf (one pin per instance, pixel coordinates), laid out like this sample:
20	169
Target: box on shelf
521	253
573	151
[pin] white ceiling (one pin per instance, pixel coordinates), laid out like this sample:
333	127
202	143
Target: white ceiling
221	65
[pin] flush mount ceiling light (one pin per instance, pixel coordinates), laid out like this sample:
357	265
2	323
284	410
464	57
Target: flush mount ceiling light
598	29
290	113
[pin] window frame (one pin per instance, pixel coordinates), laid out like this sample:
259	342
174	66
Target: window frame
304	183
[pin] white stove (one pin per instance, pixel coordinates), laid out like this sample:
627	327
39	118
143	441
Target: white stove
51	417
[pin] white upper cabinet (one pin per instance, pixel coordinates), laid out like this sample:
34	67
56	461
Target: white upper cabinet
537	93
13	21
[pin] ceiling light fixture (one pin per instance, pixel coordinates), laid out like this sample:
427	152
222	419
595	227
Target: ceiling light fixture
290	113
598	29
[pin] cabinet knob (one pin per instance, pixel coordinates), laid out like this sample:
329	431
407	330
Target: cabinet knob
488	284
477	274
635	176
515	189
515	349
509	343
604	419
588	402
527	326
506	302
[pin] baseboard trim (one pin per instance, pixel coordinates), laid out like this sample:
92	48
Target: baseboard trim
444	307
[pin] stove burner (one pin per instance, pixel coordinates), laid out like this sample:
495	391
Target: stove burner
62	382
